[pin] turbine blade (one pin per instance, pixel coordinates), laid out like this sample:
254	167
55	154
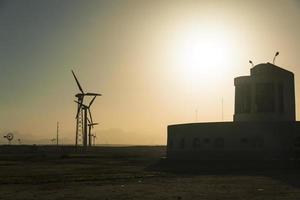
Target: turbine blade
91	117
92	94
78	84
80	103
92	101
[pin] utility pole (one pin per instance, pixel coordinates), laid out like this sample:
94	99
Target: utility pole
222	109
57	130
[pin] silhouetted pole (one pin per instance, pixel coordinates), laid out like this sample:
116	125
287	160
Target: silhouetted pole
57	130
85	128
94	140
90	136
76	135
222	109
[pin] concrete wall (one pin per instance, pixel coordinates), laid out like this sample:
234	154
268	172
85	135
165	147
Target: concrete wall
270	88
232	140
264	126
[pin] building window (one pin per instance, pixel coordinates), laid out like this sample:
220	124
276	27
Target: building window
264	97
182	143
280	98
206	141
219	143
244	141
258	142
297	142
171	144
196	143
243	98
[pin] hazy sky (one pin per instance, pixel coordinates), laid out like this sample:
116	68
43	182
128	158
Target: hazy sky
155	62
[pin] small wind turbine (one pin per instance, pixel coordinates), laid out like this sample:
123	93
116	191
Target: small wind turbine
53	140
91	136
9	137
94	139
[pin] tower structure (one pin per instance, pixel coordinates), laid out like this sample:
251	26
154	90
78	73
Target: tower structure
264	127
268	94
82	115
91	136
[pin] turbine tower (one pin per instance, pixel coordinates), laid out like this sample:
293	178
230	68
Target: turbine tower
91	136
87	122
94	139
82	114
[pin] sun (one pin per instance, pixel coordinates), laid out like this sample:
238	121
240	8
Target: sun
201	55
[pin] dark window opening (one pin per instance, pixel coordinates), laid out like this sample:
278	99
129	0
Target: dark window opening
243	98
258	143
182	143
196	143
206	141
280	98
297	142
264	97
170	144
244	141
219	143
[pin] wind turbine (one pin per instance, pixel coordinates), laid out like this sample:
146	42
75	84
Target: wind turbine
80	96
81	115
91	136
9	137
53	140
88	122
94	139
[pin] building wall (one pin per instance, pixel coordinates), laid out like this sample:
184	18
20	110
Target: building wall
268	94
264	126
232	140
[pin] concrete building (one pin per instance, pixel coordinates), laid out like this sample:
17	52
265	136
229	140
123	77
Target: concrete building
268	94
264	126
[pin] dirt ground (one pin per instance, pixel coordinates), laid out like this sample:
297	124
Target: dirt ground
133	173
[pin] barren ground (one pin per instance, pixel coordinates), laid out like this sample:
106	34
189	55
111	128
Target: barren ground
133	173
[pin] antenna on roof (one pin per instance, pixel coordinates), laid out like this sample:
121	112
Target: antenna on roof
250	61
276	54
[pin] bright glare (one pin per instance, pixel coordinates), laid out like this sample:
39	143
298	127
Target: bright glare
202	55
